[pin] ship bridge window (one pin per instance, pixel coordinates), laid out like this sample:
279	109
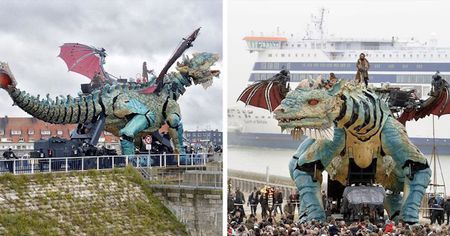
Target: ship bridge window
302	55
390	55
410	55
298	45
270	55
431	55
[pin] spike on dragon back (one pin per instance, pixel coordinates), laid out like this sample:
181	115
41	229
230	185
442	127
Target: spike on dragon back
349	126
130	110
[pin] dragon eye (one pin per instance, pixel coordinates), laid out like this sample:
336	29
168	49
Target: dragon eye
313	102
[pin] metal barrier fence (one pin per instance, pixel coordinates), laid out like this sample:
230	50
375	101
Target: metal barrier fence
193	177
66	164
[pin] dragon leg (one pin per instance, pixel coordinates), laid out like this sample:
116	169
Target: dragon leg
176	133
134	126
395	142
306	170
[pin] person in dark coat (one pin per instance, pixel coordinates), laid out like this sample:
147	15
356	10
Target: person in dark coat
447	209
264	201
293	202
9	156
253	200
230	203
239	200
277	201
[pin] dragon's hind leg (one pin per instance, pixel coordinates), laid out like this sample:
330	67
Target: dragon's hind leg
134	126
413	164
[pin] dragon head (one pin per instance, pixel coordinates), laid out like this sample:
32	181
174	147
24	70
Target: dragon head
199	68
310	110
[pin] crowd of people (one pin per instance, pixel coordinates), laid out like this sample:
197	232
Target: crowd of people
268	216
286	225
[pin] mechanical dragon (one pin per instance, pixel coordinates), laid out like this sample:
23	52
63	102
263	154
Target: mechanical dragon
129	109
346	124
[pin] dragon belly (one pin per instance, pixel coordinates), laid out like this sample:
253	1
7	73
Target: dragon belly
363	152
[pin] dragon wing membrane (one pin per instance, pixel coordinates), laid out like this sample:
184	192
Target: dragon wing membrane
266	94
438	106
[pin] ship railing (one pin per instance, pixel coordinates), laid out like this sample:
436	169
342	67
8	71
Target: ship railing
84	163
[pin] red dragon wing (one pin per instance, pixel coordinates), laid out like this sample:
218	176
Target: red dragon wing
438	105
266	94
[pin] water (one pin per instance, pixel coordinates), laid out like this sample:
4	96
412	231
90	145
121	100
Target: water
254	159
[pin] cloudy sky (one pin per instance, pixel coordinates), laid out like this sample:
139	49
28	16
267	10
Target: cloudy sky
130	31
353	19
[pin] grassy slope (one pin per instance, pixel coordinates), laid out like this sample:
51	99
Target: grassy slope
145	217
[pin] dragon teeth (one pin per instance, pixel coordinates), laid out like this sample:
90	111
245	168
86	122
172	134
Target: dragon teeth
296	133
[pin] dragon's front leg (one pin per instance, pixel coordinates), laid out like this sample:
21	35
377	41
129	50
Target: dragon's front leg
413	165
176	133
306	168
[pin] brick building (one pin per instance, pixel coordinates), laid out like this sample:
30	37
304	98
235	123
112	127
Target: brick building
205	136
20	133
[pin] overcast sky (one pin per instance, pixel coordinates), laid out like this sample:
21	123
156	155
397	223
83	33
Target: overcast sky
356	19
130	31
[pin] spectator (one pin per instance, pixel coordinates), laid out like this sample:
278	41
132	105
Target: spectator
264	201
447	209
253	200
9	156
293	201
230	204
239	200
277	201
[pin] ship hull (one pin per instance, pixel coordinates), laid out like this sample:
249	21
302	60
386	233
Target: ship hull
285	141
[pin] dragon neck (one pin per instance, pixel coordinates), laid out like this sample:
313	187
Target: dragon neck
361	114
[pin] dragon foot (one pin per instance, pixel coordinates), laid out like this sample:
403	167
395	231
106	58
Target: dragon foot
414	191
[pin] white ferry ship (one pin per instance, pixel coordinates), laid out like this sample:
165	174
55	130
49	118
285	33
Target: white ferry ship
406	64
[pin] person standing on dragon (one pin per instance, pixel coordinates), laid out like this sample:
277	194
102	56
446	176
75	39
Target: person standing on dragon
362	66
131	110
345	122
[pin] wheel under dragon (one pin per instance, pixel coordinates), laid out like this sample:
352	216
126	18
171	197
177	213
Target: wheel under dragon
342	123
130	111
